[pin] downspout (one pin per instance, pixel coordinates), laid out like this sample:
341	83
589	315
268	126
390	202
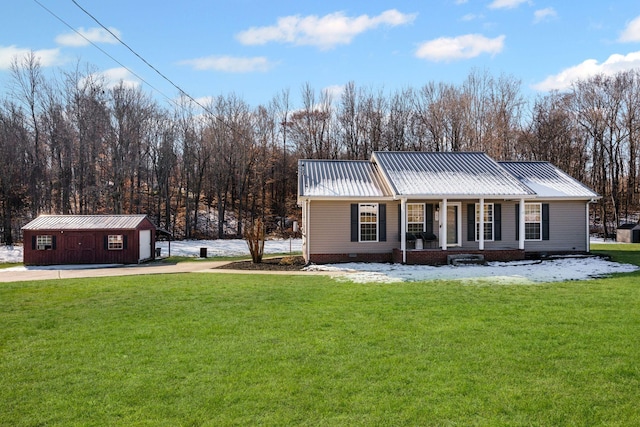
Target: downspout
587	225
305	230
403	227
521	230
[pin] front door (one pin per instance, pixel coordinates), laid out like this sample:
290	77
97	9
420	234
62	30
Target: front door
453	224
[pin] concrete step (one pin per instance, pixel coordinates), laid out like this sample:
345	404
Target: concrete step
466	259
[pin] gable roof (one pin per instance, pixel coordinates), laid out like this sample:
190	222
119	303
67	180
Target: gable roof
457	174
547	181
340	178
85	222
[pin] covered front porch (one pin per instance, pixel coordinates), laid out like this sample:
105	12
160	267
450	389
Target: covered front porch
443	257
431	230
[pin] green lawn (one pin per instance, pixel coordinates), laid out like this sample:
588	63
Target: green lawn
220	349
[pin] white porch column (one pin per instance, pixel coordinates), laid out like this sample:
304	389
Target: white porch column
481	225
403	229
521	226
443	225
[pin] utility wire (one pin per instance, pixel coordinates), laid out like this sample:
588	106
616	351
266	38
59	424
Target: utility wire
103	51
182	92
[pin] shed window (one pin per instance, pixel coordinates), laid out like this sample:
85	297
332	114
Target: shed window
44	243
115	242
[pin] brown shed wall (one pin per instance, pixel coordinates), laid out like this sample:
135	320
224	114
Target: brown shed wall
85	246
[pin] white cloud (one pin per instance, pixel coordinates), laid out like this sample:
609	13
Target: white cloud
324	32
506	4
545	14
83	37
230	64
632	32
461	47
113	76
47	57
614	64
334	91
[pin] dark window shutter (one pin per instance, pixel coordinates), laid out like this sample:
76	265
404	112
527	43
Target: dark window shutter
354	222
497	221
429	225
53	242
518	221
471	222
124	241
382	222
545	221
400	222
33	242
106	242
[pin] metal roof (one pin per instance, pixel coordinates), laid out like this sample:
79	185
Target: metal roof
447	174
85	222
547	181
340	178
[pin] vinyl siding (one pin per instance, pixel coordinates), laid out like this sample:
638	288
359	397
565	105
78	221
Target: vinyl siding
330	229
567	228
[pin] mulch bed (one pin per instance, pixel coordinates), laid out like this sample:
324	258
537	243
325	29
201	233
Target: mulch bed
289	263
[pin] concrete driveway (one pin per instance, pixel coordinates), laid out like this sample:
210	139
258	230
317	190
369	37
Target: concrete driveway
132	270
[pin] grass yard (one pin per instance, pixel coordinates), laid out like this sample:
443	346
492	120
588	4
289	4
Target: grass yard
239	350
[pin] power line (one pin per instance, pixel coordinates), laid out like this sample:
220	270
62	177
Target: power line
103	51
182	92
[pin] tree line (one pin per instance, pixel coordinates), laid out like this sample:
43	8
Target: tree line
72	144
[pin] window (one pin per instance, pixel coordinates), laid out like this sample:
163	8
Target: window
368	222
115	242
415	217
488	221
533	221
44	243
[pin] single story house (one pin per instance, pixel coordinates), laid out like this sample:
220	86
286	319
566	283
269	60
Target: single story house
628	233
88	239
423	207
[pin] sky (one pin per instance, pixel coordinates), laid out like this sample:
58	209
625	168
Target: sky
257	50
495	273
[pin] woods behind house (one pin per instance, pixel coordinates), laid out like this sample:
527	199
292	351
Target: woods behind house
73	144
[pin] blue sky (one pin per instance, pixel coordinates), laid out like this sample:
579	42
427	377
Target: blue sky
257	49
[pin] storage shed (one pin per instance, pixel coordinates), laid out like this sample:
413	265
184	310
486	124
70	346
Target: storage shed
89	239
628	233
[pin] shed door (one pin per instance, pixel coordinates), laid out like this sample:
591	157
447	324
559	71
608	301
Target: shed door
80	248
145	244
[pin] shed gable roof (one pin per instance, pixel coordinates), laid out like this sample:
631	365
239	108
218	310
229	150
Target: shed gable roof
339	178
85	222
547	181
447	174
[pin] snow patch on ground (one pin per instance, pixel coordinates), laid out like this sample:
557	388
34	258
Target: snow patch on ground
520	272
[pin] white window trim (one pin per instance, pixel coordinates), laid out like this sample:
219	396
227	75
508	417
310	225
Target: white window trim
532	222
377	212
492	222
44	242
111	242
424	216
